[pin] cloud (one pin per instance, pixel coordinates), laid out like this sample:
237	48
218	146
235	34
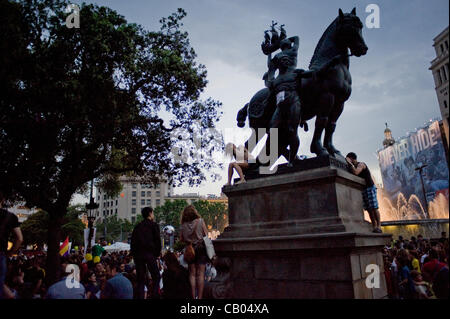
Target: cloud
391	83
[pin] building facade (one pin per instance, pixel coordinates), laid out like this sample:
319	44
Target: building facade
440	70
188	197
134	196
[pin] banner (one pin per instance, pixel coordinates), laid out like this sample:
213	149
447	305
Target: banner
398	164
86	238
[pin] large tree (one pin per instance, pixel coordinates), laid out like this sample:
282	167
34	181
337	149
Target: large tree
82	104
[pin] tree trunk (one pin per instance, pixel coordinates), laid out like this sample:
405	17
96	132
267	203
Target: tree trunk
53	270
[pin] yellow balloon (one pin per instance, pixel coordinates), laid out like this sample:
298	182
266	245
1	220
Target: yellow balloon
88	257
96	259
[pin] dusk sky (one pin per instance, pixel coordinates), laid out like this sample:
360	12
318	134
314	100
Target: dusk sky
392	83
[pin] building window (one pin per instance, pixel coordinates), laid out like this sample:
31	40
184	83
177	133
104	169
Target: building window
143	194
98	197
104	197
133	210
442	48
98	213
142	202
446	44
134	186
107	204
158	202
158	193
149	194
116	211
117	202
133	219
133	202
149	202
133	194
444	73
439	76
445	104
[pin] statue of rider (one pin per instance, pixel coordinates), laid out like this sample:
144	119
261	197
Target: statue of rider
287	115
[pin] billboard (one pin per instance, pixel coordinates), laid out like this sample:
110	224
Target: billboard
398	164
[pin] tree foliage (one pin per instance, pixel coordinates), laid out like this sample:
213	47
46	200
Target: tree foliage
80	103
117	229
35	227
170	212
215	215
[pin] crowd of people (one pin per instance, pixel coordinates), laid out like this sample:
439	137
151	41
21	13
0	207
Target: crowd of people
417	268
112	277
414	269
141	273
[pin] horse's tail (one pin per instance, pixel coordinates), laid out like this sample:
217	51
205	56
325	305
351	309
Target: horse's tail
242	115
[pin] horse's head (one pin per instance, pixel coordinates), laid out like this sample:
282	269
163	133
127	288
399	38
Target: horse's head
349	33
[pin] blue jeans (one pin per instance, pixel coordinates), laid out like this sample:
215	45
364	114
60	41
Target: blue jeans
3	270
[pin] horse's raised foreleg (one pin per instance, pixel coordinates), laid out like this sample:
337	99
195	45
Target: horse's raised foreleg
329	130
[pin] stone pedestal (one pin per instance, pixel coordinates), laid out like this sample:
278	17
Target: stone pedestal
300	235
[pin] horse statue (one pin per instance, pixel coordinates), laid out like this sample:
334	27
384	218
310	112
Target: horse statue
322	96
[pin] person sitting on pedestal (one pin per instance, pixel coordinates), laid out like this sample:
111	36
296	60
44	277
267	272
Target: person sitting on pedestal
241	155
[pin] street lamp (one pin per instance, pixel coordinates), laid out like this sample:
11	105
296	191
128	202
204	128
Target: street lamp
91	209
420	169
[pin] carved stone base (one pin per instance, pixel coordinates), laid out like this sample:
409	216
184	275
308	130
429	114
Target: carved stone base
303	267
300	235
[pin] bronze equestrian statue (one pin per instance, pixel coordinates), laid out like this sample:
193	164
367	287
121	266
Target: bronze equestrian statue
296	96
